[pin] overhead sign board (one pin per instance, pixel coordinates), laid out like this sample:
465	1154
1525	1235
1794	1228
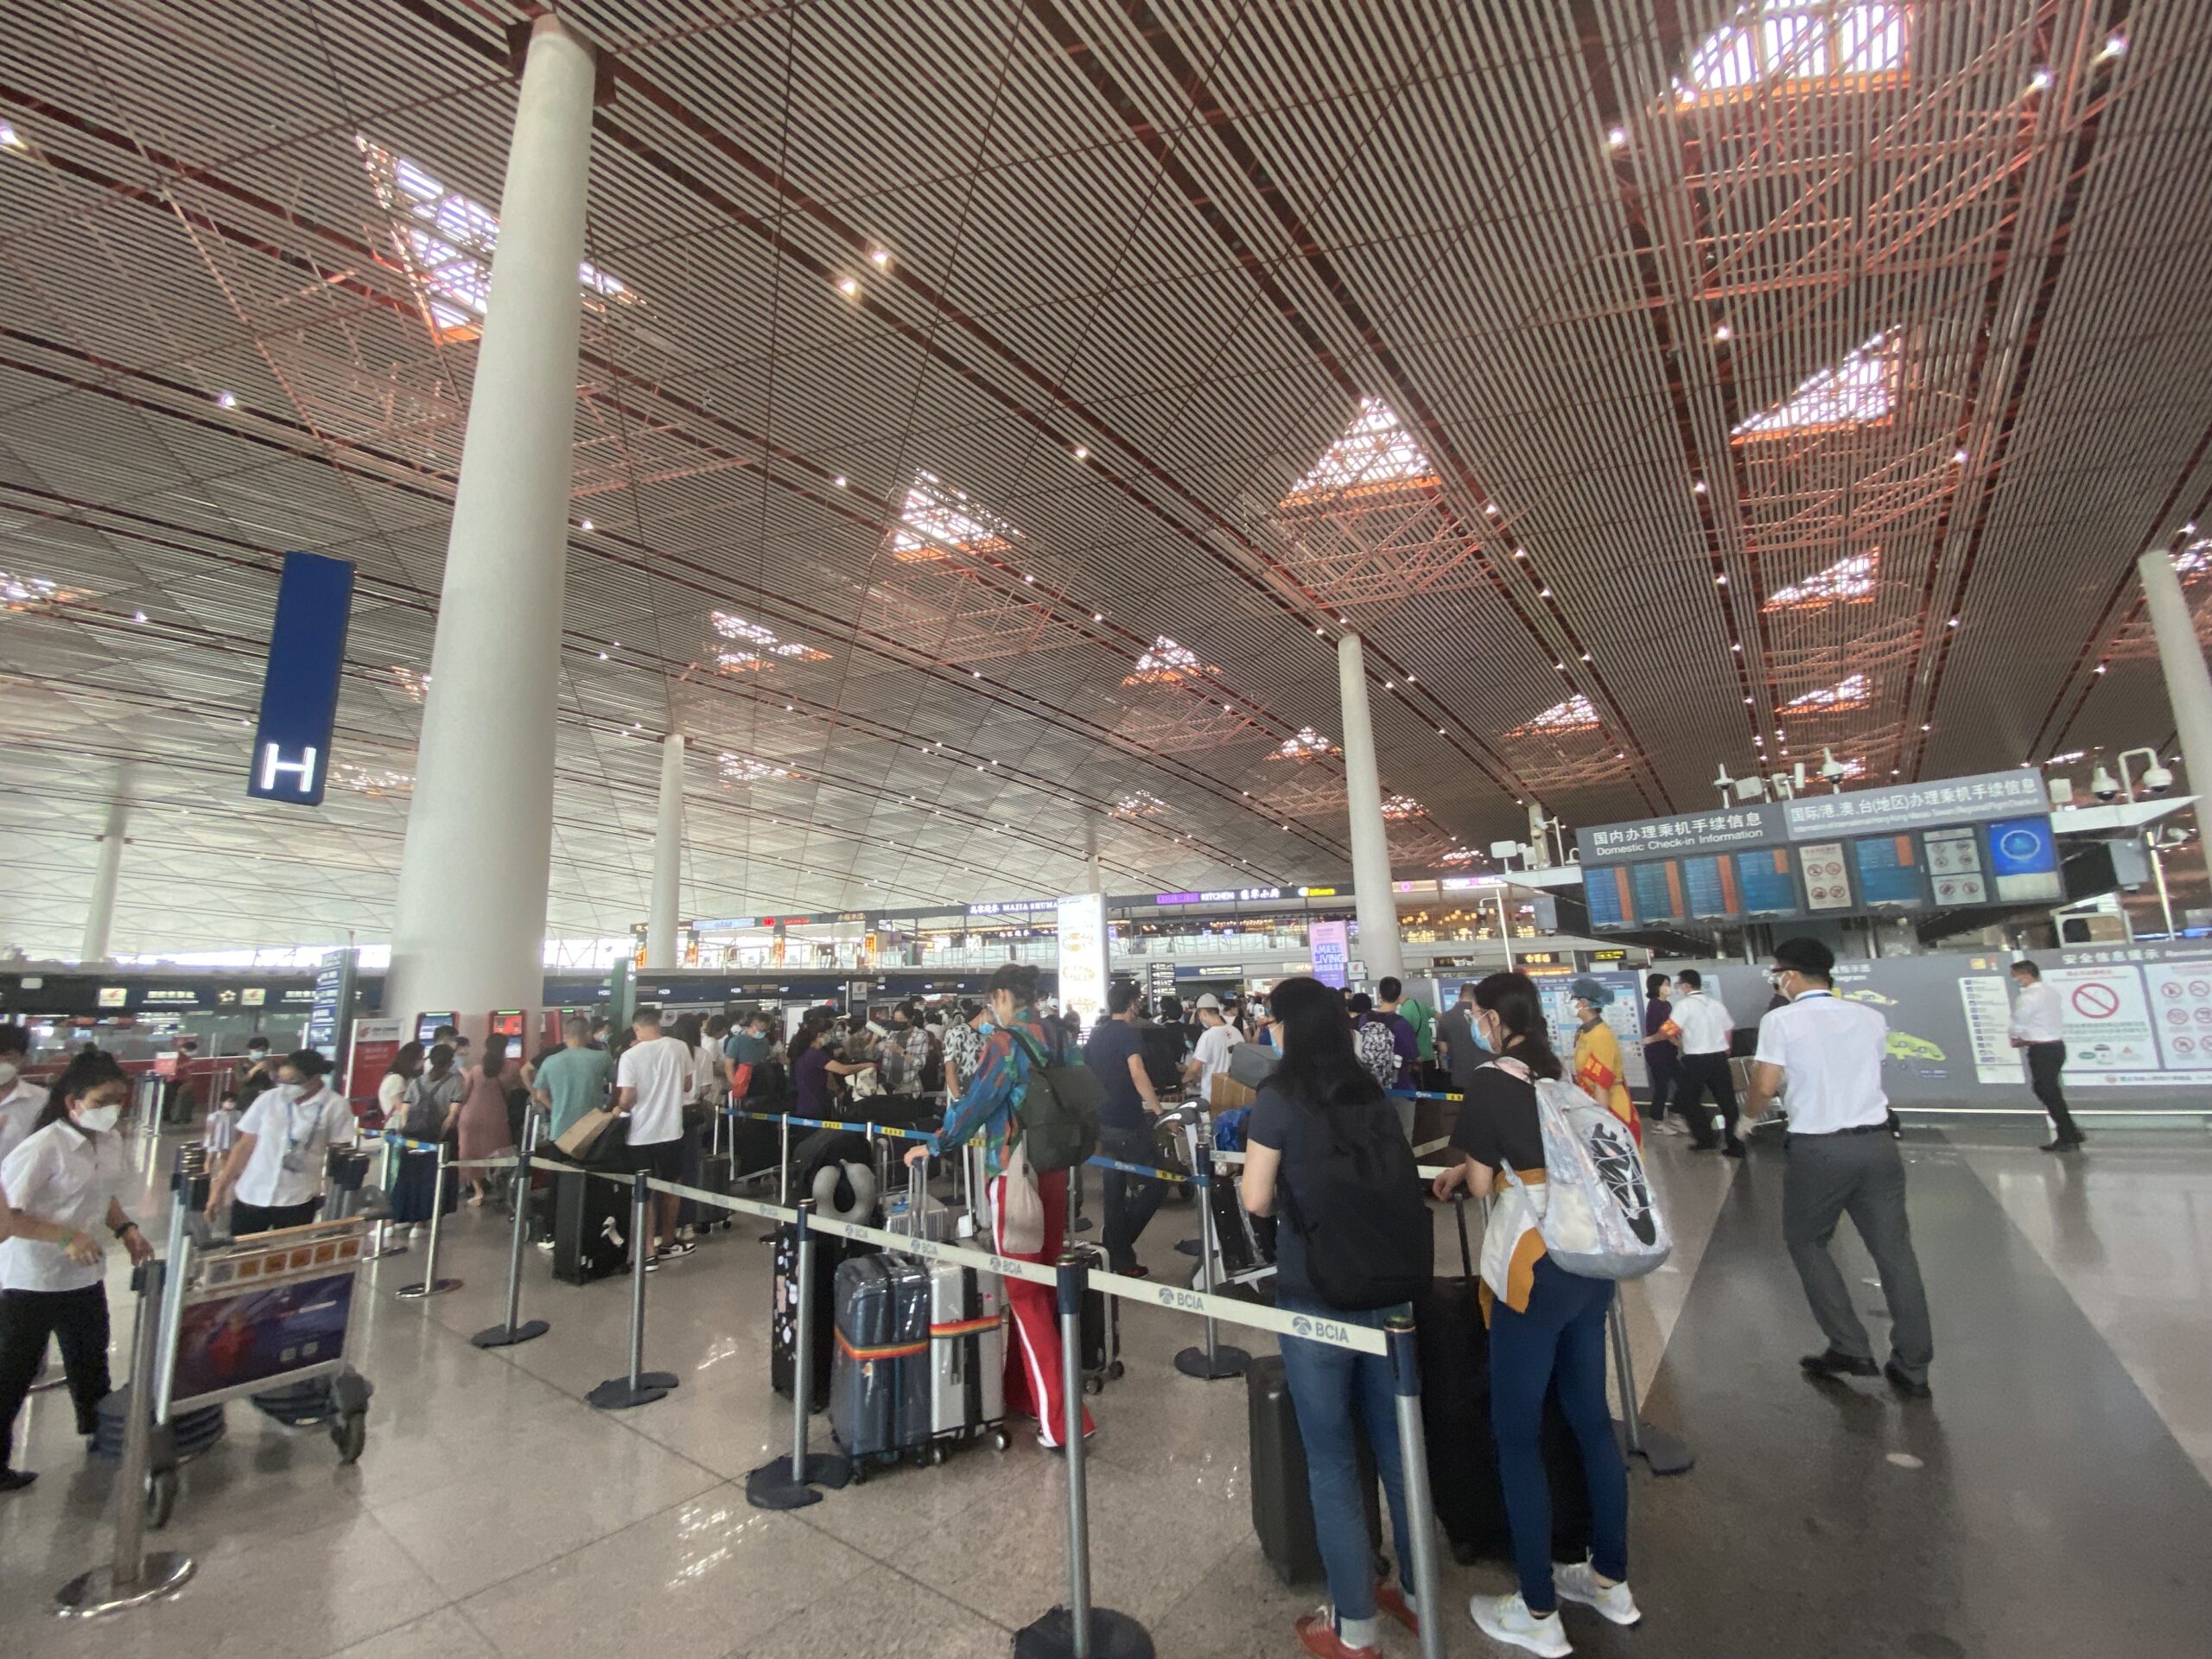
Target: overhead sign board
299	690
1082	954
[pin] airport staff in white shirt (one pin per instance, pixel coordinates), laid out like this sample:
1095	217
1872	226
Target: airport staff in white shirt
60	1197
277	1164
1842	1159
20	1101
1706	1031
2039	1027
652	1081
1210	1055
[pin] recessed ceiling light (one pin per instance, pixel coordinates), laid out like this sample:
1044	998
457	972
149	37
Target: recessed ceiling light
1721	581
1699	486
1544	593
1617	137
1722	331
1439	731
1387	686
1097	616
849	287
1082	454
138	616
2115	46
586	524
2040	78
1959	457
11	136
879	257
840	480
226	400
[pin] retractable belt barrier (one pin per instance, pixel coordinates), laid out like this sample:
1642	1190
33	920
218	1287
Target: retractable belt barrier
1151	1171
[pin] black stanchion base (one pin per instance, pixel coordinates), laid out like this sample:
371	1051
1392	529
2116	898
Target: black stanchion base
1113	1636
771	1486
416	1292
1666	1453
1084	1224
616	1394
507	1336
1224	1363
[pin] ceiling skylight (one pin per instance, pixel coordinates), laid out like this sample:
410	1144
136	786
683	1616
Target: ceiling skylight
1849	579
937	519
1305	744
1143	804
747	769
446	241
33	593
1848	693
1376	452
414	686
1165	663
1401	809
763	642
1799	41
1857	391
1577	713
2192	561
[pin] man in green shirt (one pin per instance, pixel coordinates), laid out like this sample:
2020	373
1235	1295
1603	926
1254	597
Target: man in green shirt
573	1081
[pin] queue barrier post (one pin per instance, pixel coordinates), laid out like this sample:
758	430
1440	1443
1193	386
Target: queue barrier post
431	1284
789	1482
1665	1453
638	1386
1413	1452
1078	1631
514	1329
133	1575
380	1242
1218	1360
784	1163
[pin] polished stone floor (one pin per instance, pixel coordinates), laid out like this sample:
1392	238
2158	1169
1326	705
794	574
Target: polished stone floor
2053	1499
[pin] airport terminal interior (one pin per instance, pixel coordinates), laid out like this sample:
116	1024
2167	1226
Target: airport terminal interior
634	608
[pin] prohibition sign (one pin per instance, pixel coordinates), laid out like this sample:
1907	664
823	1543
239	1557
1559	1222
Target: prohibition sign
2096	1001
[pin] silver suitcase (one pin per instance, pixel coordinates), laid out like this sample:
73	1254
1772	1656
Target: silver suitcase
967	1351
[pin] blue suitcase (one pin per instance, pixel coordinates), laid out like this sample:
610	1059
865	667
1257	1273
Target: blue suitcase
879	1391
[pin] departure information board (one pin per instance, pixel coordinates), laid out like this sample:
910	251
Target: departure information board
1658	890
1768	887
1888	870
1712	884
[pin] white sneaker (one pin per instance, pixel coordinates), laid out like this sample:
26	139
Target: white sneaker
1578	1581
1507	1618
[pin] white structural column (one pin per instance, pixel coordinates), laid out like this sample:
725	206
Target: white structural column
469	929
2188	683
1372	899
99	915
668	857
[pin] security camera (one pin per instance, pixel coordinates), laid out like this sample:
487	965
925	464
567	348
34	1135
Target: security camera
2158	780
2103	784
1833	770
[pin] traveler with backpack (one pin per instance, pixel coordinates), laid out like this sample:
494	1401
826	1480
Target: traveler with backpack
1029	1203
1323	1149
1545	1324
1115	1053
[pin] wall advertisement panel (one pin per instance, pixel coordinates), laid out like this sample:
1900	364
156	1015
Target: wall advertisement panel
1083	956
1331	950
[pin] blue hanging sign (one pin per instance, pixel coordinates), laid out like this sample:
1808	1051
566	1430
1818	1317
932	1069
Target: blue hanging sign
299	692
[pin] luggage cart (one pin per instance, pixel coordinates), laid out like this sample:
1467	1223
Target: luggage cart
270	1317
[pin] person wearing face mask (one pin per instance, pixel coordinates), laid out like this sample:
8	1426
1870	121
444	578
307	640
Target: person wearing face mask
61	1195
284	1140
1599	1072
1015	1038
256	1074
20	1101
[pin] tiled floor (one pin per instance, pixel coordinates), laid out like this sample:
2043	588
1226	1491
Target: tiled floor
495	1512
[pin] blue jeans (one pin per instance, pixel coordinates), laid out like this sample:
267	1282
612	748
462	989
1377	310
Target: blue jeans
1562	1334
1336	1393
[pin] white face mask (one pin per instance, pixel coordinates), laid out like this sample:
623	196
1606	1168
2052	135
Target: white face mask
8	1074
99	1119
289	1090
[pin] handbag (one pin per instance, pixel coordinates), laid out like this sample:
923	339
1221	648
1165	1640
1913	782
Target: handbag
1021	1225
581	1136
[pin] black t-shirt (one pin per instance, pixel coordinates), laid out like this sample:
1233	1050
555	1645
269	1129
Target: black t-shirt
1497	1123
1275	1123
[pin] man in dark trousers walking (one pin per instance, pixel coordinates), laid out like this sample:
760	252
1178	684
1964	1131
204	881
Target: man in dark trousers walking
2039	1028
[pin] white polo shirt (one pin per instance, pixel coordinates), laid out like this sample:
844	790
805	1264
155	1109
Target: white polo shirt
1831	1053
19	1108
291	1139
660	1071
60	1174
1214	1046
1705	1023
2038	1017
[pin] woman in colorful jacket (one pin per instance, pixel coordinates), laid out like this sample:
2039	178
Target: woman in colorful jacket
991	1107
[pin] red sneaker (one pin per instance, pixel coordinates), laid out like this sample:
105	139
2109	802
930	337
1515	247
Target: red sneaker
1392	1600
1316	1630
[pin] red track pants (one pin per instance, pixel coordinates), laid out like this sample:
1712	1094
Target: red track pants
1034	1356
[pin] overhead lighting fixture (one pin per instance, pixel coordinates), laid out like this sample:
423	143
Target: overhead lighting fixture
2115	46
1618	138
226	400
879	257
1082	454
587	526
11	136
849	287
2040	79
1699	486
1722	332
839	480
1959	457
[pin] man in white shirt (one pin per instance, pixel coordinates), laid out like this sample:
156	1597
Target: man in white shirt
1706	1031
1210	1058
2039	1027
1842	1159
20	1101
650	1083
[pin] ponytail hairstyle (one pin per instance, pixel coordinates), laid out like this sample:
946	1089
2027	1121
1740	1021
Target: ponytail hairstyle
495	1056
1018	978
1513	999
87	1071
1319	1068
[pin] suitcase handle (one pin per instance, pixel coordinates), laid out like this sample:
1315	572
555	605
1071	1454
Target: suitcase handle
1460	1214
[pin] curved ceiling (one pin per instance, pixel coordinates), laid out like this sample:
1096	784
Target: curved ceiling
991	415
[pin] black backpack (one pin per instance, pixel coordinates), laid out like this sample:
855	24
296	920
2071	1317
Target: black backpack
1162	1047
1352	1193
1058	1110
932	1079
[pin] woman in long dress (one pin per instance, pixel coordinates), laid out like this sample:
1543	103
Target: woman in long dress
485	1132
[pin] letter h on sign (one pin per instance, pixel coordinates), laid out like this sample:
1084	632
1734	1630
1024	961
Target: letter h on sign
299	693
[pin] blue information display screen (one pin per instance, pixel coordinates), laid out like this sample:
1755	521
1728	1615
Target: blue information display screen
1712	885
1605	890
1658	891
1770	889
1889	869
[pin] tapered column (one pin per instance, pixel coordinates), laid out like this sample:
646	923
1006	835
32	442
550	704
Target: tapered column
107	871
668	858
469	928
2189	685
1373	900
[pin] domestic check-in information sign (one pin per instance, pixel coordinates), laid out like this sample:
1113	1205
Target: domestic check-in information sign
299	693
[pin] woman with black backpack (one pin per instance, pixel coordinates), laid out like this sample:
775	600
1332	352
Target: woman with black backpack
1544	1324
1323	1147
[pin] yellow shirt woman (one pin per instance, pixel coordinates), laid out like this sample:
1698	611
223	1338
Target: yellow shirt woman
1598	1073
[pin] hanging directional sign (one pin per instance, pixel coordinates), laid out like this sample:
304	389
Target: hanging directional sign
299	692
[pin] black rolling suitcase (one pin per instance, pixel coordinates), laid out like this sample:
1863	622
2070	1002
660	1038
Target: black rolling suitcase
879	1397
1101	1324
1283	1505
715	1176
591	1226
1463	1478
783	1316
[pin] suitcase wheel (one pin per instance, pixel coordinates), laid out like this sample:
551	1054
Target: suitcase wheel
1094	1385
1115	1369
999	1440
937	1457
